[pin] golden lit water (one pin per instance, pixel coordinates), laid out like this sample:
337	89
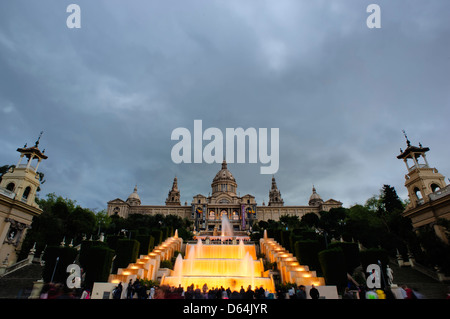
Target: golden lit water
218	265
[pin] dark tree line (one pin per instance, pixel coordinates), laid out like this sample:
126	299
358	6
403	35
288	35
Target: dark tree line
377	223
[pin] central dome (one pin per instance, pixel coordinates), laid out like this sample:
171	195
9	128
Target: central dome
224	181
224	174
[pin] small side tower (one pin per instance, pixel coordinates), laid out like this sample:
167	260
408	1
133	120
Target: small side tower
17	202
275	195
315	199
134	199
421	179
23	180
173	198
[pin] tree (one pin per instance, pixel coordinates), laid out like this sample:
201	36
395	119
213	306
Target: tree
289	222
4	169
80	221
390	200
102	221
311	220
333	221
61	217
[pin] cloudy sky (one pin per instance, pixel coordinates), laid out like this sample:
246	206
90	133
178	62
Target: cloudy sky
109	95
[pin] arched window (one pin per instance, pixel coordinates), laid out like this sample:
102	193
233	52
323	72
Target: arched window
434	187
26	193
10	187
418	194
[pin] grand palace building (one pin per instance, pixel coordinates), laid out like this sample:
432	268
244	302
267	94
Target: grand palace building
206	212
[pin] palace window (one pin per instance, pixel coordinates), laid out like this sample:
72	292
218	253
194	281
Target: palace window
434	187
26	193
10	187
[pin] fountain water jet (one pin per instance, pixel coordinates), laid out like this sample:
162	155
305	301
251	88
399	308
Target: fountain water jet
227	228
190	259
178	269
248	268
241	251
198	249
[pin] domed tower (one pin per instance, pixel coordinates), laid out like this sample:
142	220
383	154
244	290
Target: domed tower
173	198
421	180
22	181
224	182
275	195
134	199
315	199
18	205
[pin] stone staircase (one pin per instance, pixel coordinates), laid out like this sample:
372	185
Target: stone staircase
19	283
428	287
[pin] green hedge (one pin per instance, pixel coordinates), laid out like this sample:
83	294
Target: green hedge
67	256
85	246
372	256
306	252
333	266
158	235
146	244
285	239
98	264
351	253
126	253
112	241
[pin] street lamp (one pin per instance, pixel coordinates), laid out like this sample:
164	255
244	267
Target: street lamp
54	269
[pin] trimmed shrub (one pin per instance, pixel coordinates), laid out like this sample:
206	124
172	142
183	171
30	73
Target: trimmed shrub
146	243
126	253
333	266
351	253
166	264
112	241
65	256
285	239
306	252
85	246
158	235
98	264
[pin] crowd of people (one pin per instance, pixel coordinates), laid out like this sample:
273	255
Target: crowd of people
138	290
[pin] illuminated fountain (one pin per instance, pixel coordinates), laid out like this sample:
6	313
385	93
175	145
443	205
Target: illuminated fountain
227	228
291	271
219	265
226	265
147	266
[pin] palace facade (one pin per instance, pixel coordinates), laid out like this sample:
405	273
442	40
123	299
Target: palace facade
206	212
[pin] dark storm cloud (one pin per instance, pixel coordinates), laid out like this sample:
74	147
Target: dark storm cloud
109	94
